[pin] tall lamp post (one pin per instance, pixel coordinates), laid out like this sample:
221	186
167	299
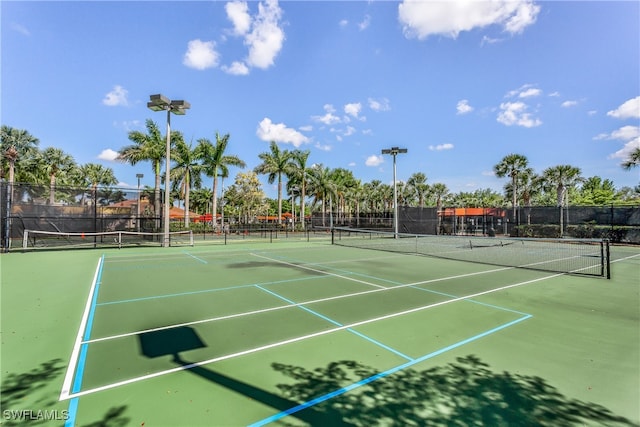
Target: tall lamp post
162	103
138	175
394	151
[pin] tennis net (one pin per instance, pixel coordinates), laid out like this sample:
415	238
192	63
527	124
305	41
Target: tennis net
36	239
573	256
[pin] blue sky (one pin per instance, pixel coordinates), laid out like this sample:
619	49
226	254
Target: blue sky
459	84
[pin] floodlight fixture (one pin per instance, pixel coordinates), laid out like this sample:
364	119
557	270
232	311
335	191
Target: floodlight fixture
394	151
160	102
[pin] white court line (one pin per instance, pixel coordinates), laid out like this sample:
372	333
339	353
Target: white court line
304	267
66	385
280	307
302	338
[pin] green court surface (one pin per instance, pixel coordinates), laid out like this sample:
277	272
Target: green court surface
306	333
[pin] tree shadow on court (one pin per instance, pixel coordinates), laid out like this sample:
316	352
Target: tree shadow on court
113	418
466	392
274	264
177	340
33	391
17	388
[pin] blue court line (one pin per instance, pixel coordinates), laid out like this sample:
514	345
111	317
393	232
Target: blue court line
179	294
77	383
195	257
393	282
315	313
380	375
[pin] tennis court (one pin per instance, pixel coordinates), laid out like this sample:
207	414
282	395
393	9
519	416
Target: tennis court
304	332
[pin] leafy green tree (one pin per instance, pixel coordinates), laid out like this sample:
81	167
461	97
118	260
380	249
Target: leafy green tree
512	166
246	196
216	163
275	164
596	191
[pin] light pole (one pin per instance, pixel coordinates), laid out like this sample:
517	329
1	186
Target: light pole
162	103
138	175
394	151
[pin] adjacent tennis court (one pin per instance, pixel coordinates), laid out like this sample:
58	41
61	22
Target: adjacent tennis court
298	331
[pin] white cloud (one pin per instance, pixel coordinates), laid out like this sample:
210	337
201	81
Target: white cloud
625	133
463	107
201	55
329	118
528	93
629	110
554	94
365	23
279	132
422	19
343	23
266	37
625	152
374	160
525	91
353	109
236	68
515	113
323	147
108	154
381	104
117	97
569	104
441	147
306	128
238	14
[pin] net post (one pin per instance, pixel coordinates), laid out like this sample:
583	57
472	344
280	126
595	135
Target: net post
608	258
333	232
25	239
119	240
191	242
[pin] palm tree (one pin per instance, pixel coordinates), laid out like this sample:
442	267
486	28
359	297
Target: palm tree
298	174
529	185
439	191
15	143
418	182
275	164
186	172
561	178
200	199
512	166
92	175
322	186
216	163
150	146
633	160
55	162
343	180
